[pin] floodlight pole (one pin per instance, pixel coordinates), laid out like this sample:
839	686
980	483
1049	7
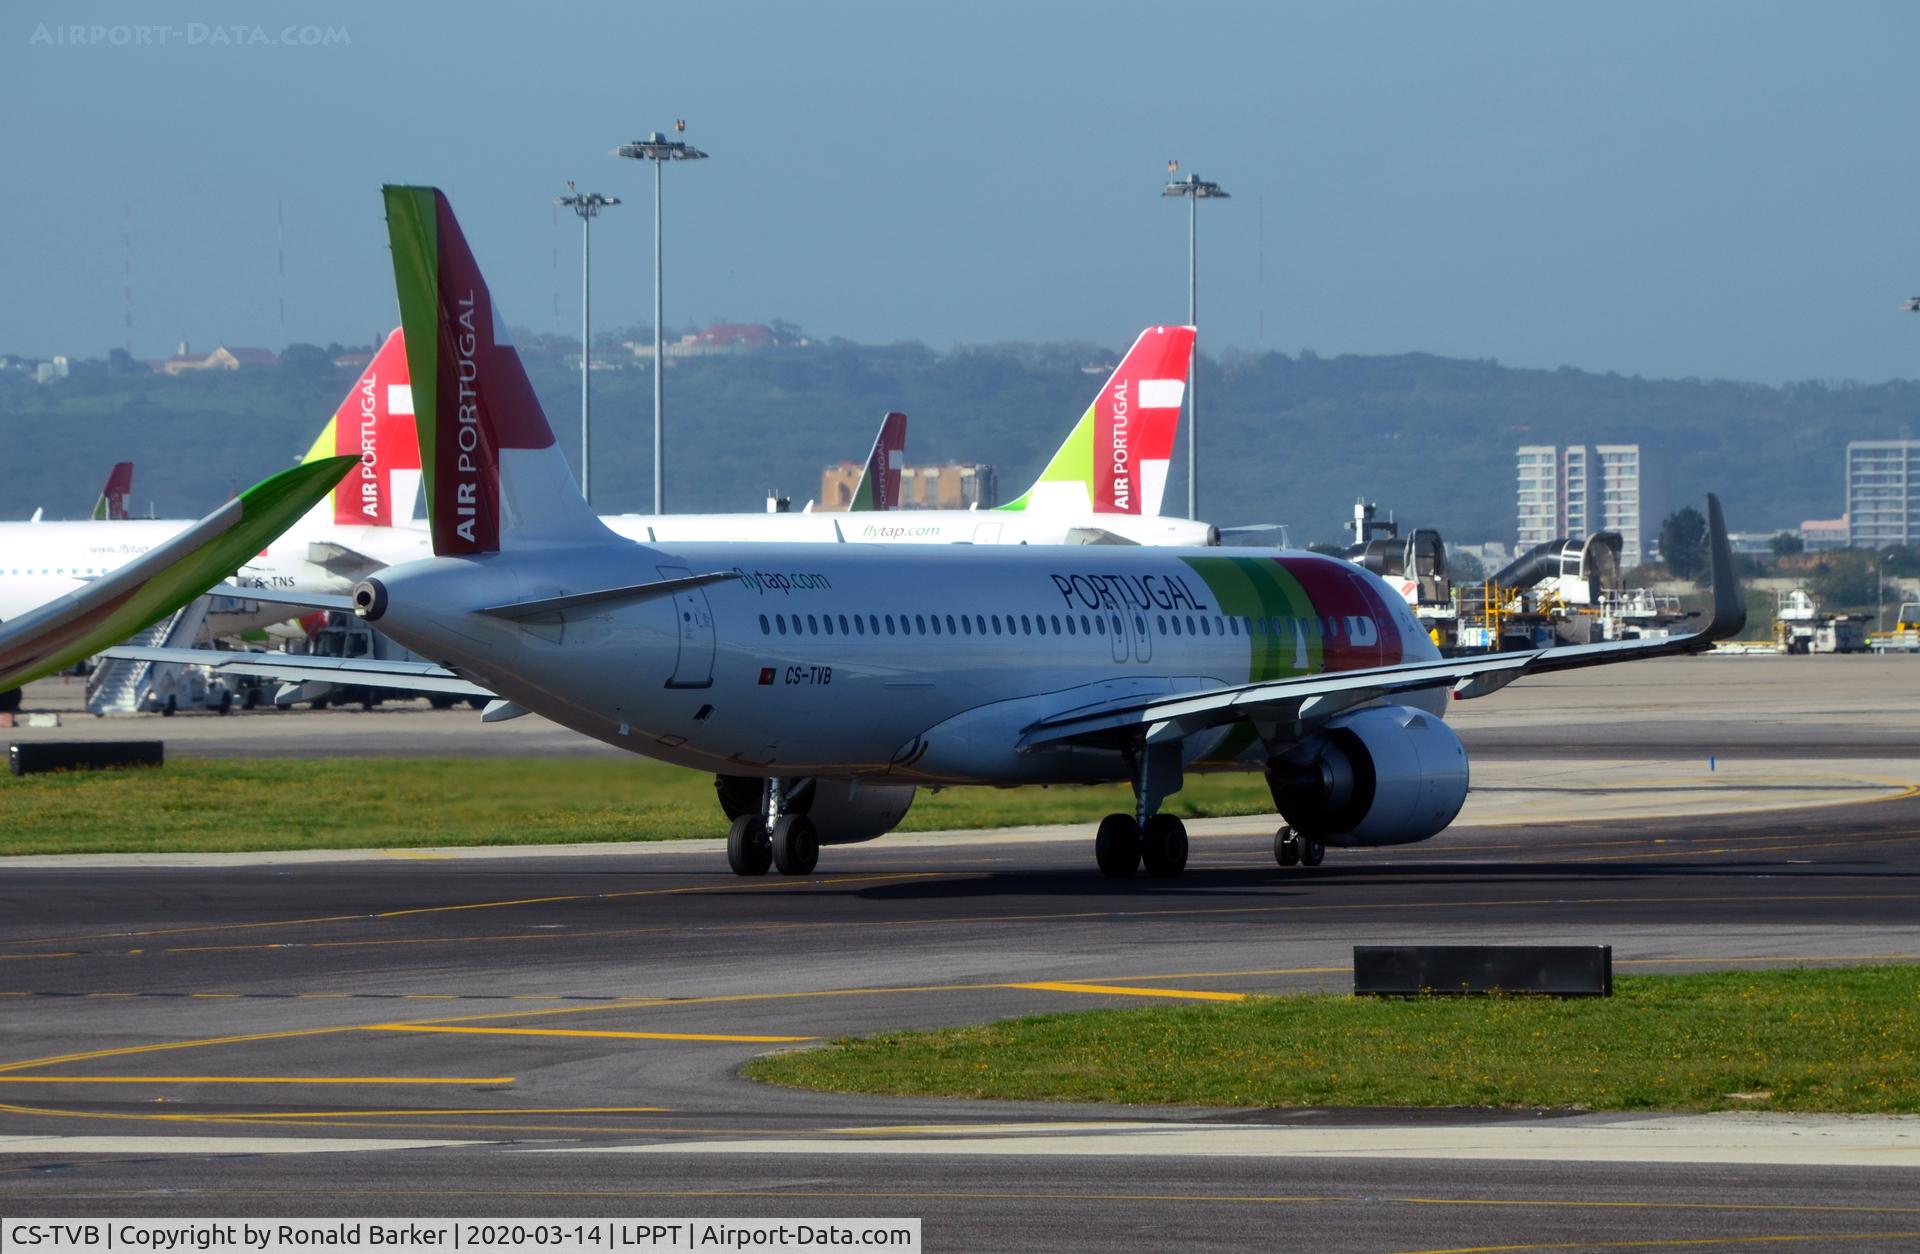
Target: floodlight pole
588	205
658	149
1195	189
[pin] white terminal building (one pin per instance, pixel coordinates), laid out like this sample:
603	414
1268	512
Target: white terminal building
1572	492
1883	492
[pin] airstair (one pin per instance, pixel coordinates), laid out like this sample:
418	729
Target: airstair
123	685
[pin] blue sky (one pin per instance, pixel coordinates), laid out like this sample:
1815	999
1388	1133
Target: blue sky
1711	189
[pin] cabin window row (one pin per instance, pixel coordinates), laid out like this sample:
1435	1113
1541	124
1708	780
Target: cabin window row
1046	624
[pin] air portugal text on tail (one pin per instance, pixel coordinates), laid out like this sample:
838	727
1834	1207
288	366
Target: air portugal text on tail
375	424
495	477
1115	459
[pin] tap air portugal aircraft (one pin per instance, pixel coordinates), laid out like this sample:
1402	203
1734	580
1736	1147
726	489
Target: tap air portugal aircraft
365	523
1104	484
138	592
350	532
821	684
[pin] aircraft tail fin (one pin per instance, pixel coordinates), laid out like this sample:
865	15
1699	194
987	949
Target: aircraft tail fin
113	497
879	486
495	477
375	424
1116	457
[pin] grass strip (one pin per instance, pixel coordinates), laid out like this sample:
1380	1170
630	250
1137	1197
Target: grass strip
1835	1040
204	805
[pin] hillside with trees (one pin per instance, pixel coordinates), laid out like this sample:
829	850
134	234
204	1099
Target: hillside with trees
1284	439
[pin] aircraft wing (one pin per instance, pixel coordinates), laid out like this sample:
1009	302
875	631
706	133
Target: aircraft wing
1313	698
160	581
298	668
285	596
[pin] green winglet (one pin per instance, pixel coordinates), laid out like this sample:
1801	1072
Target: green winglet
154	585
413	232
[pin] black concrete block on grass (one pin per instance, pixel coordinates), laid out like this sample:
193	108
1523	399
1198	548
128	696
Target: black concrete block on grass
1463	970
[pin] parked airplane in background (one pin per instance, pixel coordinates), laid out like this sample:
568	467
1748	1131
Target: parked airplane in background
139	592
879	486
1103	484
325	551
112	505
822	683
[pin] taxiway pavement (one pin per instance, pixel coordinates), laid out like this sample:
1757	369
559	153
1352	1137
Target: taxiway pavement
419	1032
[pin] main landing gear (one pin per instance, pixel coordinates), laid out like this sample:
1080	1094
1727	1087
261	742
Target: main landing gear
773	838
1292	849
1125	842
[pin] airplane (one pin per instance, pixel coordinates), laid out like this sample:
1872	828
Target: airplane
327	550
1103	485
822	684
879	486
112	504
139	592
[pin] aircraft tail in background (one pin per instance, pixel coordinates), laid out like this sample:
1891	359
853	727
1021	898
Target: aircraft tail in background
495	478
1115	460
375	424
113	498
879	486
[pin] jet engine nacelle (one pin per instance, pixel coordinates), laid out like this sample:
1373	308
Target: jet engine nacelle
844	811
1388	775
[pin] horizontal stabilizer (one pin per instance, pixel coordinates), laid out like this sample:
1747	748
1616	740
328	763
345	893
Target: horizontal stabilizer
1096	535
338	559
284	596
299	668
547	607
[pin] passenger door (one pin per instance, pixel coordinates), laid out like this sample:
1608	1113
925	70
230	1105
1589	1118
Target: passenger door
693	620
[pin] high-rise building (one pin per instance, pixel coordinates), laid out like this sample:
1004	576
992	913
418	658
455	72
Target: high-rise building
1883	492
1539	495
1573	492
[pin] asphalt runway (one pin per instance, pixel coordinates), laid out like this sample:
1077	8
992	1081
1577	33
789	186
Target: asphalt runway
547	1035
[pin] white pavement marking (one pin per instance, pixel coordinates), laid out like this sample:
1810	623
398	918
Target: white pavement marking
1739	1138
43	1145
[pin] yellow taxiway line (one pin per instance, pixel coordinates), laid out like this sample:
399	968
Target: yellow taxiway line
1050	986
623	1036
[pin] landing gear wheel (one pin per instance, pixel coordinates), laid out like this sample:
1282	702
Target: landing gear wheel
1163	846
1311	852
171	708
1116	846
749	852
796	846
1286	847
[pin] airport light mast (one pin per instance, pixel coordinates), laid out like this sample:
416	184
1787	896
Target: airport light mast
588	205
658	149
1195	189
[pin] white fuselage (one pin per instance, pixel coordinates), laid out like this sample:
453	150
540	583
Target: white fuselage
867	662
42	561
